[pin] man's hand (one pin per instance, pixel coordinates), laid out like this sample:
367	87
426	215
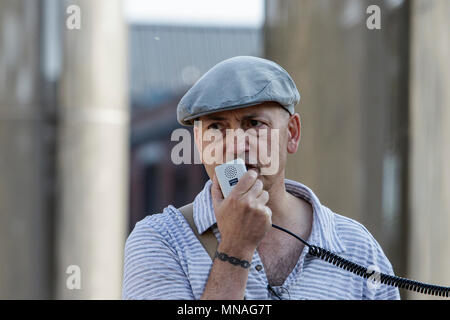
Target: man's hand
243	218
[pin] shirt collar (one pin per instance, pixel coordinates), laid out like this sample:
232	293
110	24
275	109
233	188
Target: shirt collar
323	231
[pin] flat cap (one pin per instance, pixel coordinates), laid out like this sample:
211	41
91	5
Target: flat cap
235	83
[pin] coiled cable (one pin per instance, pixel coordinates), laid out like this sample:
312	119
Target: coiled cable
361	271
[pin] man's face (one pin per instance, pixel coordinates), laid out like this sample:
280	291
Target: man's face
261	135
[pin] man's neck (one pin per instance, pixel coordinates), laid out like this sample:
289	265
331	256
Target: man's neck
288	209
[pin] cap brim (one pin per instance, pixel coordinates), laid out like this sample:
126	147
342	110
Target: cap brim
188	121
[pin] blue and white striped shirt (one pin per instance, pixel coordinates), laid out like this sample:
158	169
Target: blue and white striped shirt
164	259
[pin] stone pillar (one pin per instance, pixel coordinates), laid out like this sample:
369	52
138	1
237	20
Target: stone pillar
93	151
429	223
24	215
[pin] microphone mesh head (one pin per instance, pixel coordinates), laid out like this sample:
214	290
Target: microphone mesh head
230	172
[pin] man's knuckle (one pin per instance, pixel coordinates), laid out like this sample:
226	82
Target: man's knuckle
244	203
253	206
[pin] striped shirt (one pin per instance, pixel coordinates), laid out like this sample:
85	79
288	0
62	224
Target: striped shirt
164	260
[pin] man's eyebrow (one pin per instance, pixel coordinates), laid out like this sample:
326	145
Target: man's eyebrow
258	115
247	116
253	115
214	118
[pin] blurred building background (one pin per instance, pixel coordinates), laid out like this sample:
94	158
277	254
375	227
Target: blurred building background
165	61
86	117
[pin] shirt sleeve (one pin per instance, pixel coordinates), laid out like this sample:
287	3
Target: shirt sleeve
152	269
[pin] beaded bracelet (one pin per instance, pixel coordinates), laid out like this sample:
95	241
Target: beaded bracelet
234	261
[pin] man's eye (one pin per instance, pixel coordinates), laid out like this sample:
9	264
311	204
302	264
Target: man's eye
255	123
214	126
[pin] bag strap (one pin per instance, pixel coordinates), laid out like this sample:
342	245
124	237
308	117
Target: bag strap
207	239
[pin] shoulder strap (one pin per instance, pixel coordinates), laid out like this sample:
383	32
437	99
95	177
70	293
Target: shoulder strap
207	239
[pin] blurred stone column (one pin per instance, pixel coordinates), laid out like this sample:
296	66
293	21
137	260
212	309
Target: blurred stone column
354	104
24	220
429	241
93	151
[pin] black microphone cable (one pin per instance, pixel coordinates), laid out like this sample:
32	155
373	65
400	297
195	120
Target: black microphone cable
361	271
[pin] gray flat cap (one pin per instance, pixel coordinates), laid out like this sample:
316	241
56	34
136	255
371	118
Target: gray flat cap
238	82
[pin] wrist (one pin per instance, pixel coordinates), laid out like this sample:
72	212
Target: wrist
231	259
239	252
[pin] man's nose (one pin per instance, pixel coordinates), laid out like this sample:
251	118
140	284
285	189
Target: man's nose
237	143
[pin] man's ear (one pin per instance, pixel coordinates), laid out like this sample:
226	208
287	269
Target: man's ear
294	133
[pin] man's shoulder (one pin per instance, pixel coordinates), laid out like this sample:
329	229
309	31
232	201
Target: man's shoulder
156	221
351	230
360	244
157	226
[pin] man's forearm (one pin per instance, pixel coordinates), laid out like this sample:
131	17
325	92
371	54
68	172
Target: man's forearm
227	281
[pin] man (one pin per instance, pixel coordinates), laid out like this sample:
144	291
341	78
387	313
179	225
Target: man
165	260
